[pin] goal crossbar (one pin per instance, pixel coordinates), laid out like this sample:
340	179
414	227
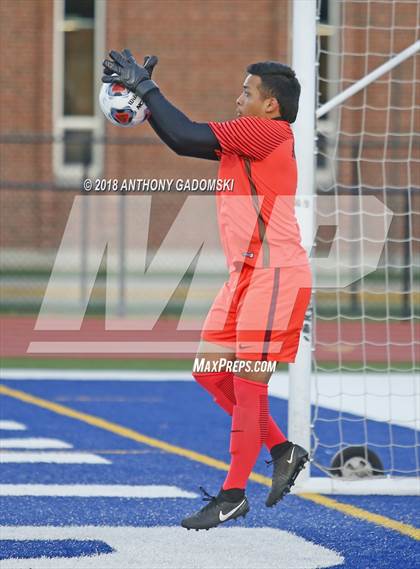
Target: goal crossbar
368	79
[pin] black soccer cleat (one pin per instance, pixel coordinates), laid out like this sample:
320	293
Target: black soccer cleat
285	471
216	512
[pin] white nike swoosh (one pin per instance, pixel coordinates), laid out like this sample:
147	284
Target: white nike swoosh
291	456
223	517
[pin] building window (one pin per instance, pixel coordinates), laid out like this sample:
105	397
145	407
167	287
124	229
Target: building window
78	122
79	23
328	84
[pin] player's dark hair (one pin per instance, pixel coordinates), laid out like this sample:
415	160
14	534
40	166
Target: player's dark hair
279	81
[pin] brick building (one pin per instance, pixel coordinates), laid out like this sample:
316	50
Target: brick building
204	47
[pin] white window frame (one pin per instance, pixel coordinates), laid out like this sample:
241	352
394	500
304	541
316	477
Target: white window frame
72	174
328	125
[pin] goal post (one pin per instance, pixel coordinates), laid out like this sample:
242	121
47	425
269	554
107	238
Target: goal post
354	390
304	58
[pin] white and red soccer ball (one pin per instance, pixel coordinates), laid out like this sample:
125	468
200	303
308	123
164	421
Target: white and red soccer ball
122	107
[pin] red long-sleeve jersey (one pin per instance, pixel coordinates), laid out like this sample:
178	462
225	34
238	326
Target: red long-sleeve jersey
257	219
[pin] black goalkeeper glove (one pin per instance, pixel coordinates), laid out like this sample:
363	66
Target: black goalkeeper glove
149	63
123	68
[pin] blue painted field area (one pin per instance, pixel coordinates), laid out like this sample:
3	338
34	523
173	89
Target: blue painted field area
49	521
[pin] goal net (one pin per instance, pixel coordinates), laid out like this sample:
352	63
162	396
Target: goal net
365	384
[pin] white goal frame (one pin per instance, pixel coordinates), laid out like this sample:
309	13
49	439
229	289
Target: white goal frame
299	425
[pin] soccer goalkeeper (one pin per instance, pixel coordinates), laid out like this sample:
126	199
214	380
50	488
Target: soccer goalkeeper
258	314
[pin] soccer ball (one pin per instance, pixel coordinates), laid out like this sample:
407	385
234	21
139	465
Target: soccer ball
122	107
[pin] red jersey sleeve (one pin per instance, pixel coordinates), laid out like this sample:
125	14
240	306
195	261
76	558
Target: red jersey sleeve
252	137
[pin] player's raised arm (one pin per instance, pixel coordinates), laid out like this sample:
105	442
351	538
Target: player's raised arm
182	135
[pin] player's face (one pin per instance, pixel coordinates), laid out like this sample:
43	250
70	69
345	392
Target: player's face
251	102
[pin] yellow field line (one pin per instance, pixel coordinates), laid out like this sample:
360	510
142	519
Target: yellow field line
347	509
365	515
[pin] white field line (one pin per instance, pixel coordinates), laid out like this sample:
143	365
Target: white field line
11	426
393	397
38	443
51	457
95	490
166	547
